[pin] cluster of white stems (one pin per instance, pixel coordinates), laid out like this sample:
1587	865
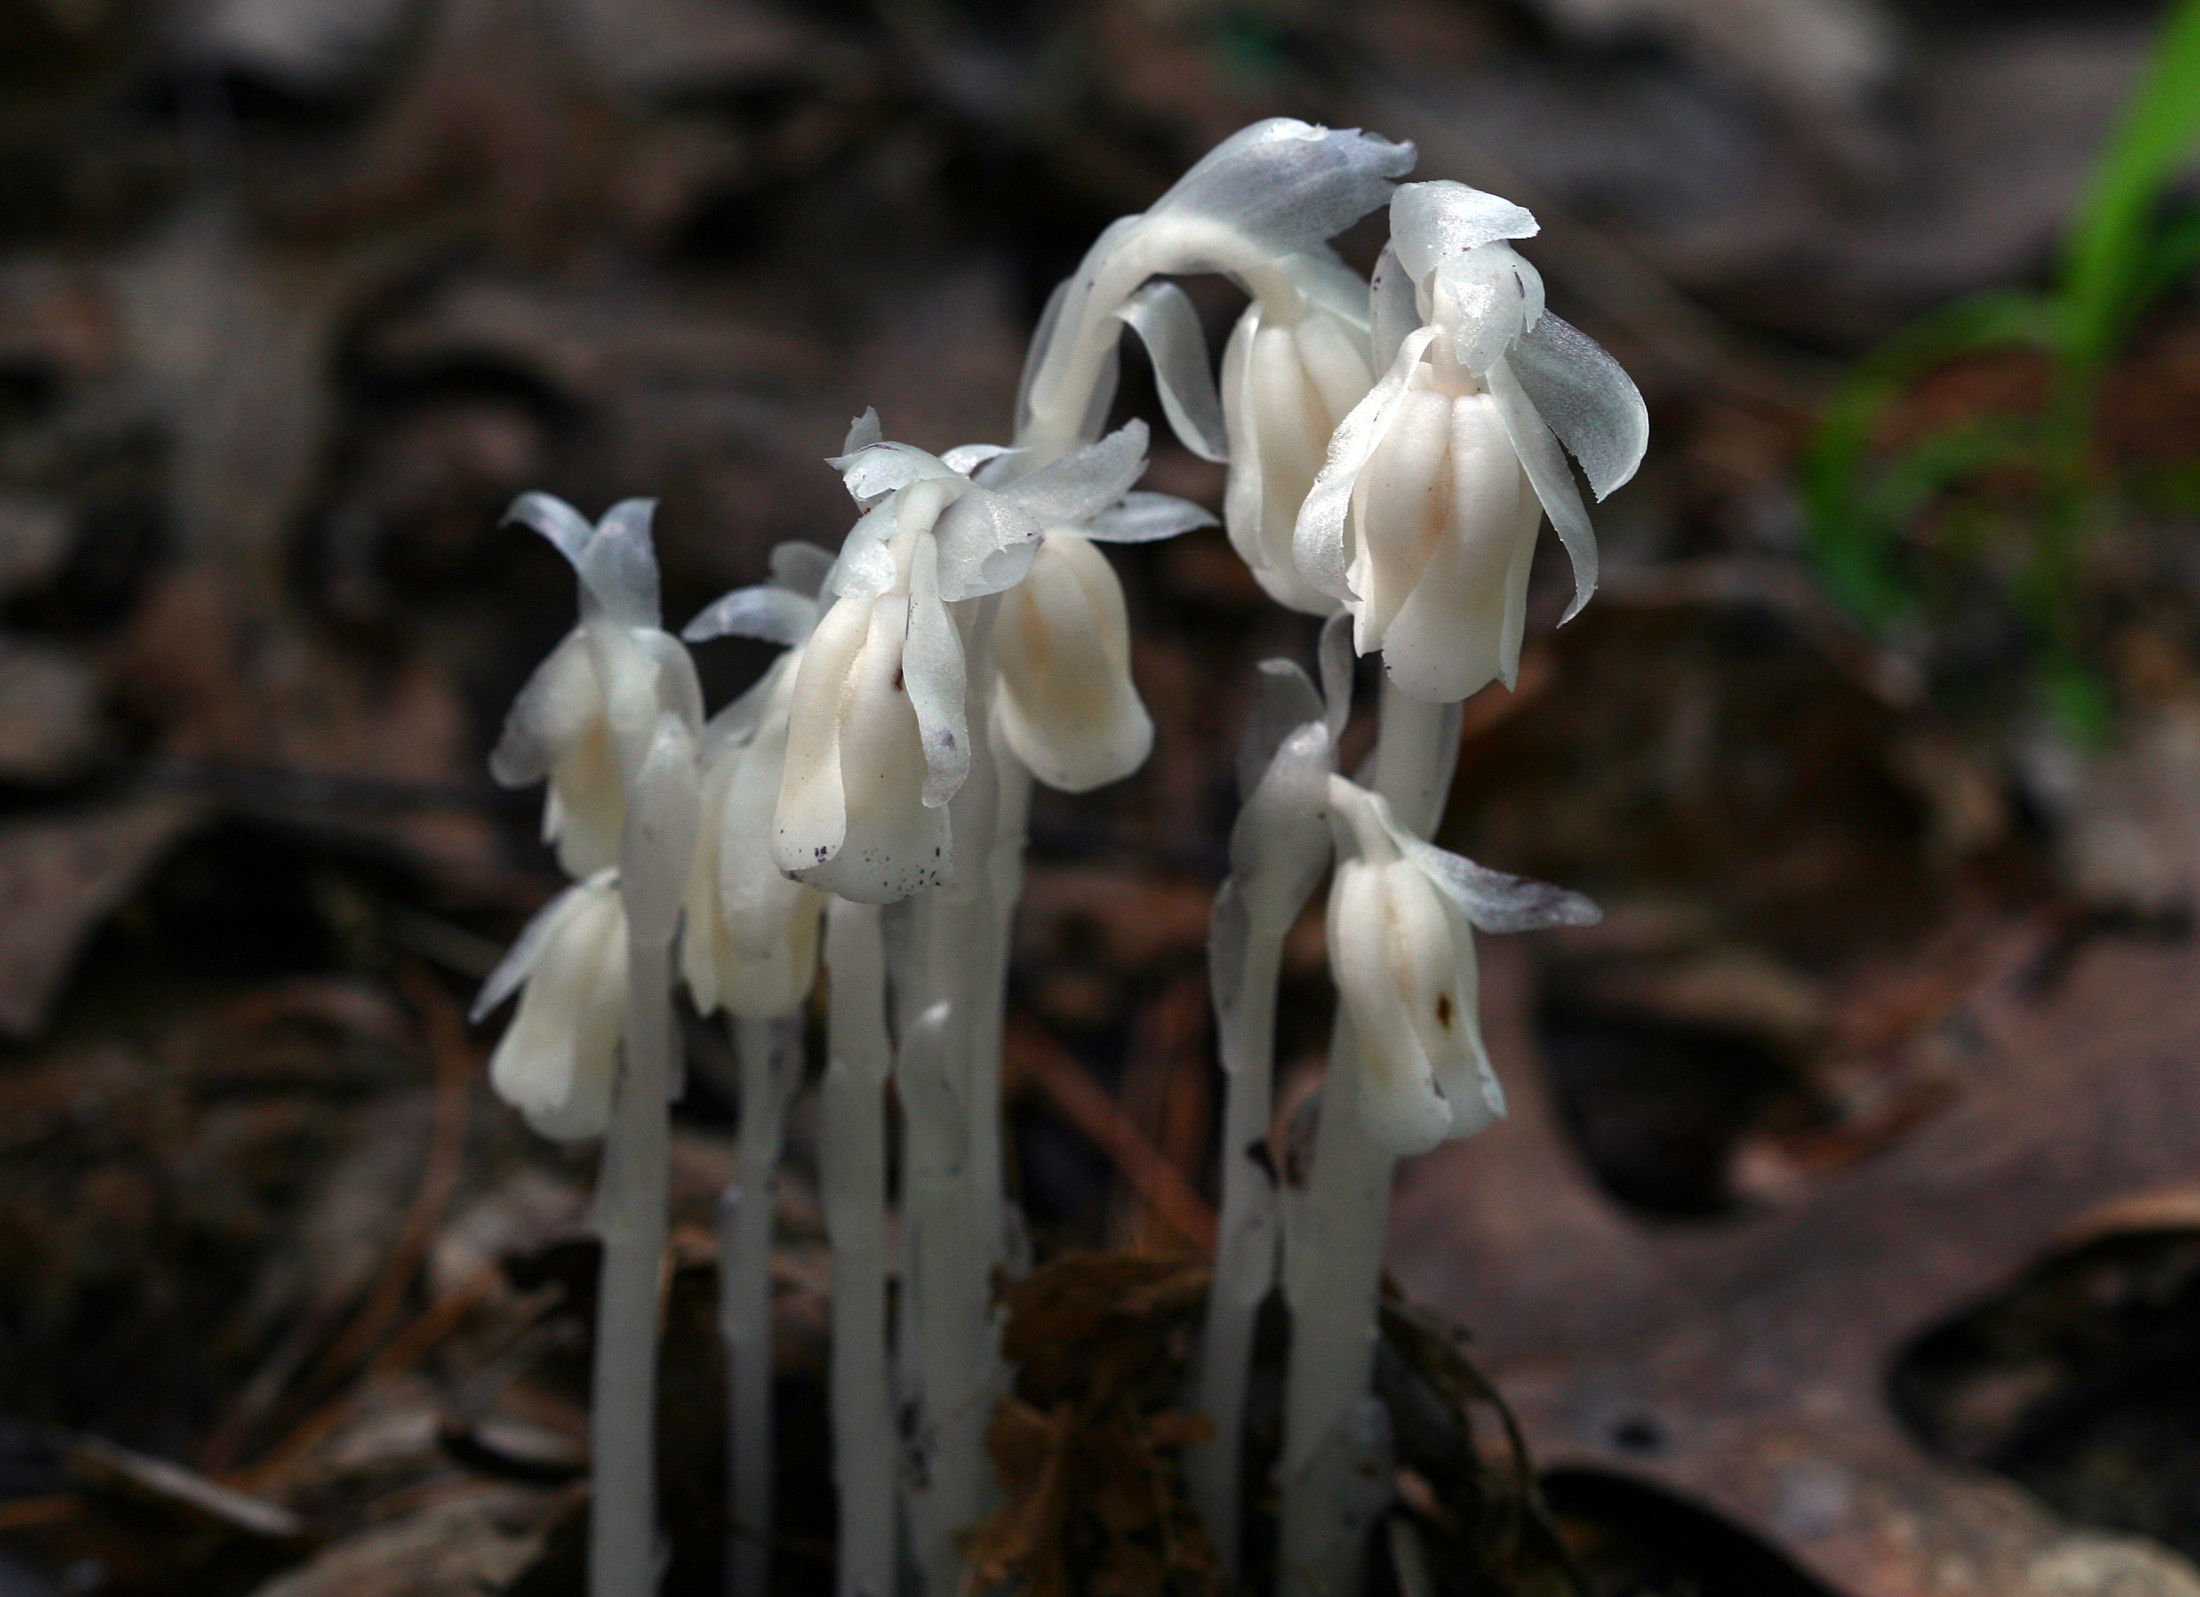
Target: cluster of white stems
1393	447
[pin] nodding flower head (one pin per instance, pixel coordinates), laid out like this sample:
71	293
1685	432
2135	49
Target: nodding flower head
1401	946
593	711
1295	366
878	734
1423	518
1255	207
749	940
558	1059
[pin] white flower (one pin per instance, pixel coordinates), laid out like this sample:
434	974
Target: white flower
1296	364
590	715
1257	207
1069	710
1424	516
879	736
558	1059
749	941
1401	949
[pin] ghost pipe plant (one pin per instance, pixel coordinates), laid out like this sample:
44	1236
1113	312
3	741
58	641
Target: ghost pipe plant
1423	519
750	946
612	719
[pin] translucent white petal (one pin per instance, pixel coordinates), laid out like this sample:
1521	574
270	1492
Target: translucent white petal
586	813
1286	701
1082	484
1140	517
1429	221
618	569
866	565
1546	466
1392	309
1489	297
1069	709
1165	320
937	680
863	432
1319	543
810	821
1585	398
800	567
967	458
515	967
1288	185
876	470
769	613
556	705
985	542
1280	843
556	520
1490	900
1241	495
679	689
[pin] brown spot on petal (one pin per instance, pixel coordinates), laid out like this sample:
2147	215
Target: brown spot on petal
1443	1010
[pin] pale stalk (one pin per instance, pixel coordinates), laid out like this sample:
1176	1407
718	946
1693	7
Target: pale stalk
769	1056
629	1217
1245	1234
949	968
852	1166
1334	1248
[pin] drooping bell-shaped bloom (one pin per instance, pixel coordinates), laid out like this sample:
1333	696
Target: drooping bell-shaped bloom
589	717
1401	947
1297	362
558	1060
1068	707
1255	207
1424	516
749	942
879	735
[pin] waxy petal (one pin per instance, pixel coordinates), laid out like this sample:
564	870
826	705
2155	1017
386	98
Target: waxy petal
1545	463
937	681
768	613
1584	397
1140	517
1164	319
1069	709
1432	221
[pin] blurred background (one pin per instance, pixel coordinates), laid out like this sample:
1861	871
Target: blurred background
1845	1237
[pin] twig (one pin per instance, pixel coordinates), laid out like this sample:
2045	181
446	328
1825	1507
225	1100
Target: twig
1086	1105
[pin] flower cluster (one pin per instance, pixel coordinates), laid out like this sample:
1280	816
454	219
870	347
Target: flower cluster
1393	447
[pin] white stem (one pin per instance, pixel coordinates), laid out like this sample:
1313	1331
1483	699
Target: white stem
852	1160
947	1260
769	1056
1337	1228
1245	1236
630	1219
